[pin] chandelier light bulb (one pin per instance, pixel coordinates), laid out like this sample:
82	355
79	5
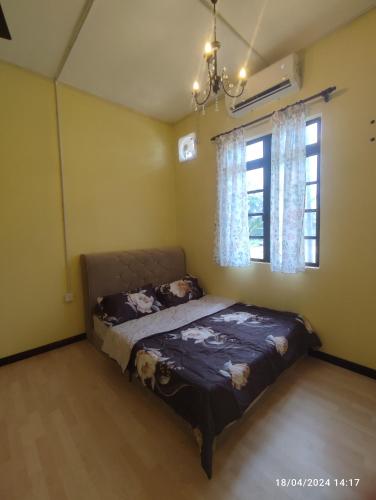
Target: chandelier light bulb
196	86
242	74
208	49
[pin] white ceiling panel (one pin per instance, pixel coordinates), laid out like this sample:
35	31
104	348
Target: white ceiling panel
40	31
279	27
146	54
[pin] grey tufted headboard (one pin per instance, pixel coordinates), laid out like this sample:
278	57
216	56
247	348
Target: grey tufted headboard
112	272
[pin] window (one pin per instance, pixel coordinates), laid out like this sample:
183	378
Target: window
258	157
258	188
187	147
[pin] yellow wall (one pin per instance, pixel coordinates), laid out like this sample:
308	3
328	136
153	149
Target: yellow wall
340	297
121	189
119	174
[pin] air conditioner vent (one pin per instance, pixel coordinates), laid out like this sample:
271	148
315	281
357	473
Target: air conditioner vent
273	82
262	95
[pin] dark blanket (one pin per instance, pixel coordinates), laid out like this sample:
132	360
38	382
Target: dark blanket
212	369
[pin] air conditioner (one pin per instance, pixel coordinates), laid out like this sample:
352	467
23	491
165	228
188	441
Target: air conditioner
273	82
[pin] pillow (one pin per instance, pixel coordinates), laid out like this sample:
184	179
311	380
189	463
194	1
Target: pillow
179	292
125	306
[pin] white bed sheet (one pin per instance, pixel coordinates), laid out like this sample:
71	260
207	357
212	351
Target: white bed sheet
119	340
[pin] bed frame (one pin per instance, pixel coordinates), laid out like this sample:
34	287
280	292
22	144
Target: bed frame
113	272
107	273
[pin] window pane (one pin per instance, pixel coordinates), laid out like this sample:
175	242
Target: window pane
311	168
254	151
310	224
256	225
257	249
255	179
256	202
311	196
311	134
310	251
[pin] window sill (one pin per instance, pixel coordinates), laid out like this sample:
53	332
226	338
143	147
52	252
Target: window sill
264	262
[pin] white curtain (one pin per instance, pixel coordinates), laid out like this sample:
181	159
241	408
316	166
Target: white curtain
287	201
232	233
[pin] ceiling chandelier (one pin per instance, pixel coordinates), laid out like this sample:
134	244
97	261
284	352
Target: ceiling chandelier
216	81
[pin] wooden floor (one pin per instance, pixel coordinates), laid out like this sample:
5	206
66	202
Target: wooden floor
72	427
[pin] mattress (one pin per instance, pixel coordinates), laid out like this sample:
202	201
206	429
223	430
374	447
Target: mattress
118	341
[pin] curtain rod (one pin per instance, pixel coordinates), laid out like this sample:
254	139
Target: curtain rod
324	94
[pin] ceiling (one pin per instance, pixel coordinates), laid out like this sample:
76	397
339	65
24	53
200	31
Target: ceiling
146	54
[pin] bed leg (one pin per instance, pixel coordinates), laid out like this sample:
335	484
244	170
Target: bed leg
207	454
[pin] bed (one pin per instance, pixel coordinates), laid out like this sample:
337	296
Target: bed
209	359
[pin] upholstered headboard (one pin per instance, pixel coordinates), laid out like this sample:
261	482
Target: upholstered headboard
113	272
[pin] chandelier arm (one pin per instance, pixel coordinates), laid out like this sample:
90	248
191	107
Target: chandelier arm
227	92
210	88
201	103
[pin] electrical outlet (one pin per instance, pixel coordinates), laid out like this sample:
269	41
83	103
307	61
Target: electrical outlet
68	297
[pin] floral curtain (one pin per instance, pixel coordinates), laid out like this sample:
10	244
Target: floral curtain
232	233
287	201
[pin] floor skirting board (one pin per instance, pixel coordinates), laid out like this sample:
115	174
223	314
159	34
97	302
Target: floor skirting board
329	358
39	350
349	365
